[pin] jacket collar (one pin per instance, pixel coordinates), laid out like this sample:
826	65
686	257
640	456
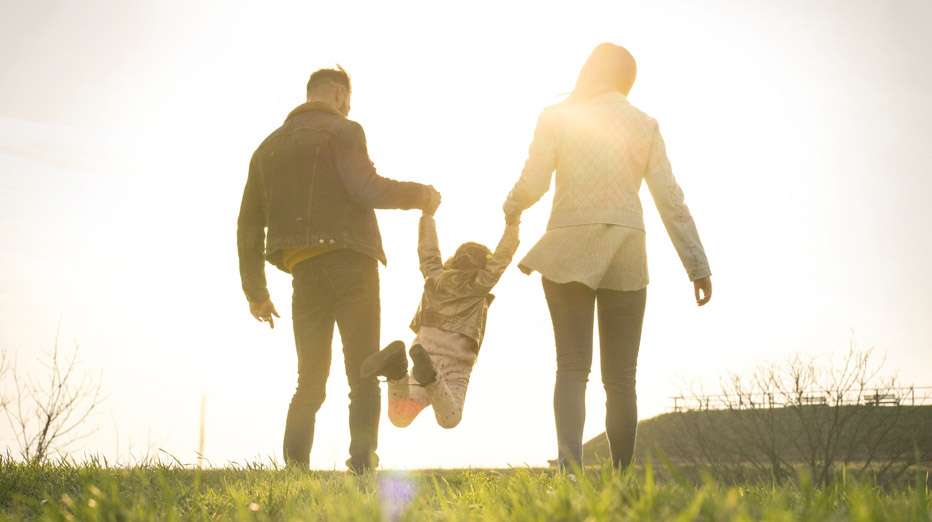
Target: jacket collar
314	106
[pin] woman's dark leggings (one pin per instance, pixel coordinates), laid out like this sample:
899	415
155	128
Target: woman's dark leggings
621	314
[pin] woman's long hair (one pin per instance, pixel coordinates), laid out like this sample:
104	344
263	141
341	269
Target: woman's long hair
610	67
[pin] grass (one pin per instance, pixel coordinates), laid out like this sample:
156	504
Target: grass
92	492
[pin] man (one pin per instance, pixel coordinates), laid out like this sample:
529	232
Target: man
312	185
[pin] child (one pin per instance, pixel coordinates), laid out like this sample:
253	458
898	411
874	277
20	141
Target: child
449	324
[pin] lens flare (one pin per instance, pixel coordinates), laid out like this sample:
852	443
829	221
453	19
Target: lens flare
396	491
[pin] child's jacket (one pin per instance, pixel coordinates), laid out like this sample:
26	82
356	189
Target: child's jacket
458	300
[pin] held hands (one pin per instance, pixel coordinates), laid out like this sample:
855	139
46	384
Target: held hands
433	201
705	286
263	312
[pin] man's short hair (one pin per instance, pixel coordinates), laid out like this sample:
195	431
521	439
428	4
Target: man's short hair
327	76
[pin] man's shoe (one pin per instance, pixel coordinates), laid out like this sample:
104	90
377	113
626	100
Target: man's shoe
360	468
423	370
390	363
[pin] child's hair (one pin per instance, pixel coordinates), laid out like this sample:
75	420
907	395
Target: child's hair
469	256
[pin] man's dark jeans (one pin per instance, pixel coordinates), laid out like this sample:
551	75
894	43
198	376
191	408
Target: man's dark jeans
621	314
339	287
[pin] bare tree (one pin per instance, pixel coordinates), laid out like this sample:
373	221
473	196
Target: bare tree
4	367
49	414
800	413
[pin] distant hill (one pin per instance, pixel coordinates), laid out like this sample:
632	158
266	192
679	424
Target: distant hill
684	436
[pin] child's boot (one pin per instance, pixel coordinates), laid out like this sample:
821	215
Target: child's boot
390	363
423	371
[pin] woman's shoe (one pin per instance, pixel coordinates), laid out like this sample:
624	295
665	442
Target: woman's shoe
390	363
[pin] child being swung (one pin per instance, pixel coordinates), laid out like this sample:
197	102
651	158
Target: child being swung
450	324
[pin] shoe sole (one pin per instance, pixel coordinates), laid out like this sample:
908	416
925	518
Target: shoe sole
419	352
375	362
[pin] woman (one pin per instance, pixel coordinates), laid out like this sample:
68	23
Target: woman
601	147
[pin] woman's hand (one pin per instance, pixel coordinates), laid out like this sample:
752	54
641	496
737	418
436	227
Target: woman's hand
704	286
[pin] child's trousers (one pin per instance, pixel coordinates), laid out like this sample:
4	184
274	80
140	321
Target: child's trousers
453	356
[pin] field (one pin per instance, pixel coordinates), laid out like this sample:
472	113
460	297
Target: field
91	492
675	434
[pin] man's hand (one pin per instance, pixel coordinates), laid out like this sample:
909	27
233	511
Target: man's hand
433	201
705	286
513	219
264	311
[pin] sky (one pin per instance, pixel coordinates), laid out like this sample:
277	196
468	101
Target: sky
798	130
